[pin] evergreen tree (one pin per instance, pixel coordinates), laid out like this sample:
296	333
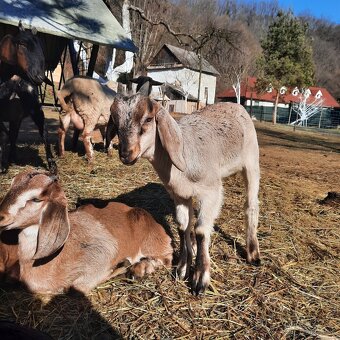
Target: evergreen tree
287	56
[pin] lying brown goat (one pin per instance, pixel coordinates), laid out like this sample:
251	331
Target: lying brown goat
58	250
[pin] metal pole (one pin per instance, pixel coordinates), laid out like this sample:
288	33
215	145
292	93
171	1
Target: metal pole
320	118
93	59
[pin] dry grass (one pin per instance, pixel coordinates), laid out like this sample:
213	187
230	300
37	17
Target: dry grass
294	294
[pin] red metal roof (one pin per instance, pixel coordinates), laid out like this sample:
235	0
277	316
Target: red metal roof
248	91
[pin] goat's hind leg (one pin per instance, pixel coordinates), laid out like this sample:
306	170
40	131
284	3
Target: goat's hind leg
252	179
184	214
147	266
39	119
210	205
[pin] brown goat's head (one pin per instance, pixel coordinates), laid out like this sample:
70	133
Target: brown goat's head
140	121
24	52
36	198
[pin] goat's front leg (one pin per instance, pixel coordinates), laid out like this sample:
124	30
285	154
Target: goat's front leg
184	213
14	127
111	132
39	119
210	205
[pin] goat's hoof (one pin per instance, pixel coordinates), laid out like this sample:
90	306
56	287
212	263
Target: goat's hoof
52	167
110	153
253	256
182	271
200	282
255	262
3	171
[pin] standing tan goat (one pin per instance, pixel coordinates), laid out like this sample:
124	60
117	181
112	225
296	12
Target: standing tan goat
192	157
59	250
86	103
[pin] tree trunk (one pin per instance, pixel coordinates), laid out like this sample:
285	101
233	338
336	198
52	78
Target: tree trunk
199	80
275	106
113	73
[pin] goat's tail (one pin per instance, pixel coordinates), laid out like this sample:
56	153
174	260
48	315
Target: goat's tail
64	95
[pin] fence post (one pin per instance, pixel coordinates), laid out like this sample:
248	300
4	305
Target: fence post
320	118
290	112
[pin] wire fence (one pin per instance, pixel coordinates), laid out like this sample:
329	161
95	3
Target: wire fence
326	118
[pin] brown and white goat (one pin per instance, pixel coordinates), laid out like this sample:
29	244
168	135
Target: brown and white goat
191	157
59	250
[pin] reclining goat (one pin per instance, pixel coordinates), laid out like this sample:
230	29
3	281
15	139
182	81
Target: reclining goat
58	250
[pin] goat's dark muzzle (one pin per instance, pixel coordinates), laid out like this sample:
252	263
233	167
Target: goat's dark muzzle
127	157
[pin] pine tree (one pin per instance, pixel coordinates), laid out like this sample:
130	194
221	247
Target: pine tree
287	56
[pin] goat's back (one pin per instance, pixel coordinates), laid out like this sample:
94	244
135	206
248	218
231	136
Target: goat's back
218	135
134	229
87	88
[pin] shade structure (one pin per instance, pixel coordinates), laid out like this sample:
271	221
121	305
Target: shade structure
86	20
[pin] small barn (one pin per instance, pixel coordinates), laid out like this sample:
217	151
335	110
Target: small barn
179	70
67	30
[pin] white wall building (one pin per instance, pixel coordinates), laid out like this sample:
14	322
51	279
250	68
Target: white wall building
180	68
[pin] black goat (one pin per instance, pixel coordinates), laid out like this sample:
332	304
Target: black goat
141	80
22	68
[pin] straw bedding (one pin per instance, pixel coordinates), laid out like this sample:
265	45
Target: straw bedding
293	294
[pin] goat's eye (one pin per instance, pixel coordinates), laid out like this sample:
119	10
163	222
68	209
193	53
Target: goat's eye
148	120
36	200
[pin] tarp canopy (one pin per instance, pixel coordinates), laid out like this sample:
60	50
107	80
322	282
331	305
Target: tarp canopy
85	20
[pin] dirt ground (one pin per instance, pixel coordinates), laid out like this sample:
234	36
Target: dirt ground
293	294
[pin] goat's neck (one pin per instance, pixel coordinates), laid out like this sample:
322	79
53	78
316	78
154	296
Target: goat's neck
161	161
28	239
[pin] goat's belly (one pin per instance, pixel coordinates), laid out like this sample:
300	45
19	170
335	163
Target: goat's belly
77	121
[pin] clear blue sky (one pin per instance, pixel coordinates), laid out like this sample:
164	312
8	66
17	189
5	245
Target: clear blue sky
323	9
326	9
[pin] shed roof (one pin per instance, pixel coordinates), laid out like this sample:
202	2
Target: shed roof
86	20
248	91
188	59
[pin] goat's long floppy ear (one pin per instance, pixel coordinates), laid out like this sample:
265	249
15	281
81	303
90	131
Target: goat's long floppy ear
8	50
145	89
54	225
171	137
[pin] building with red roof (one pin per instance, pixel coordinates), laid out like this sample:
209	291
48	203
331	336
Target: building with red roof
261	104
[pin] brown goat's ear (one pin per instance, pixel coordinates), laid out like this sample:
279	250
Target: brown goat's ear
8	50
54	226
171	137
